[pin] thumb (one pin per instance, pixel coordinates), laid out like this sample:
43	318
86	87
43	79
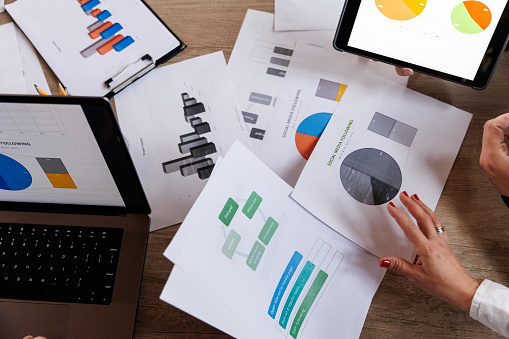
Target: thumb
397	265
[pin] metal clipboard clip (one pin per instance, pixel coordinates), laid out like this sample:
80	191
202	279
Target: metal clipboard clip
122	79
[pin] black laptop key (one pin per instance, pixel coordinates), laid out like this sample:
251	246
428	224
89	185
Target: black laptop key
58	264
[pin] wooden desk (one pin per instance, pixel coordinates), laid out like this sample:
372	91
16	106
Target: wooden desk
470	207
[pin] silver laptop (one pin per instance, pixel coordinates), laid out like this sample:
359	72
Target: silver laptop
73	222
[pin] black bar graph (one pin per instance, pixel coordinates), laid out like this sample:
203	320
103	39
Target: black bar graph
193	145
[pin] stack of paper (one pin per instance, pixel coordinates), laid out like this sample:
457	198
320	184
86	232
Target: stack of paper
252	262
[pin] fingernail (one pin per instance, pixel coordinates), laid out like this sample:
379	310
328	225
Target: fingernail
416	197
392	204
385	263
408	72
405	193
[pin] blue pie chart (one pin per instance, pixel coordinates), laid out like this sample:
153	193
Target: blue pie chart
13	175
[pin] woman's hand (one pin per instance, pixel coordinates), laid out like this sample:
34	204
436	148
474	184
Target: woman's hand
494	154
437	270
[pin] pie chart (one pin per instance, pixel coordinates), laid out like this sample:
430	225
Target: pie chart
401	9
309	132
471	17
370	176
13	175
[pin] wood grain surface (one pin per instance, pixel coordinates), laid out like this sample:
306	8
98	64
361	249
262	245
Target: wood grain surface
470	207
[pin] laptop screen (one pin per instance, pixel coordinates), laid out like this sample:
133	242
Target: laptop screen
48	154
64	151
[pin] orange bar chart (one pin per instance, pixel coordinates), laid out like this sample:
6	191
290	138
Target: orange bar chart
97	32
108	46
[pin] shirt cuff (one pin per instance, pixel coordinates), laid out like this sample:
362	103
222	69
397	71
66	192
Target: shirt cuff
478	297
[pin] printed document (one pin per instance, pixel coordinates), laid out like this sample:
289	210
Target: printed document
300	15
11	71
177	121
314	84
381	140
270	261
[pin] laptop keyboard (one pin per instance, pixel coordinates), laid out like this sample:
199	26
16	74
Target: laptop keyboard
58	263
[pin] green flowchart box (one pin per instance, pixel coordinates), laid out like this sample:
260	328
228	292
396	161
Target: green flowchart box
228	212
268	231
255	255
252	205
231	243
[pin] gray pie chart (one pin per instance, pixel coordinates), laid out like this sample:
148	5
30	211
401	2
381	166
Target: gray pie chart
371	176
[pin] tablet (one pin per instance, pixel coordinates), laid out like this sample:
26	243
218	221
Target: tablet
456	40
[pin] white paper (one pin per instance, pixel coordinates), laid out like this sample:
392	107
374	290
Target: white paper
32	70
62	38
11	72
331	280
313	85
307	15
2	6
151	114
382	139
185	293
257	66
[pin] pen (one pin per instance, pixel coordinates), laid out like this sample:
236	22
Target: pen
39	90
62	89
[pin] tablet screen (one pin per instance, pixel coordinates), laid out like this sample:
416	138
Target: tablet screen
449	36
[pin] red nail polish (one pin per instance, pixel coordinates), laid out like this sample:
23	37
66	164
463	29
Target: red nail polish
385	263
392	204
416	197
405	193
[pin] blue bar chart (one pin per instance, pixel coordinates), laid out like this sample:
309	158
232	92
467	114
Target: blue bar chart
103	30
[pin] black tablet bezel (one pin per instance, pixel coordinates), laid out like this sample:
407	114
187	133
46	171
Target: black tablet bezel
493	53
104	126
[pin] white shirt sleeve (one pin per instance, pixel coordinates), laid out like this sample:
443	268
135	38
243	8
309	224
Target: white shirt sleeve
490	306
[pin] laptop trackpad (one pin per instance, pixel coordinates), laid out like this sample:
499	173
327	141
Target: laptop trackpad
18	320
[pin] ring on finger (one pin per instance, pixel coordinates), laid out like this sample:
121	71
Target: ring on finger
440	229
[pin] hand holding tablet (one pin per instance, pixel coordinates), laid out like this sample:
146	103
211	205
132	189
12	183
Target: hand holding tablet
456	40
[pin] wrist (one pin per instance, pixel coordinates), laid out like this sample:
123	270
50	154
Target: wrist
465	302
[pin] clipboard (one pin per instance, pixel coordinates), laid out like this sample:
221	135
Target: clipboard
115	85
106	44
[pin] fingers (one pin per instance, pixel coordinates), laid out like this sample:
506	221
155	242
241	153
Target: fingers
404	71
398	265
412	232
426	219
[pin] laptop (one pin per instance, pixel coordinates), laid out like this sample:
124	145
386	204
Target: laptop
73	222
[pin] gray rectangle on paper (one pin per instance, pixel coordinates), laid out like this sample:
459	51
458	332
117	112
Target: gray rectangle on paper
189	137
195	121
279	61
381	124
194	109
327	89
403	133
192	168
283	51
257	133
184	147
203	150
189	102
174	165
95	25
92	49
277	72
250	118
202	128
205	172
260	98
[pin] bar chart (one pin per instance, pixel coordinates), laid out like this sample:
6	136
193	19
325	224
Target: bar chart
193	145
105	31
56	172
